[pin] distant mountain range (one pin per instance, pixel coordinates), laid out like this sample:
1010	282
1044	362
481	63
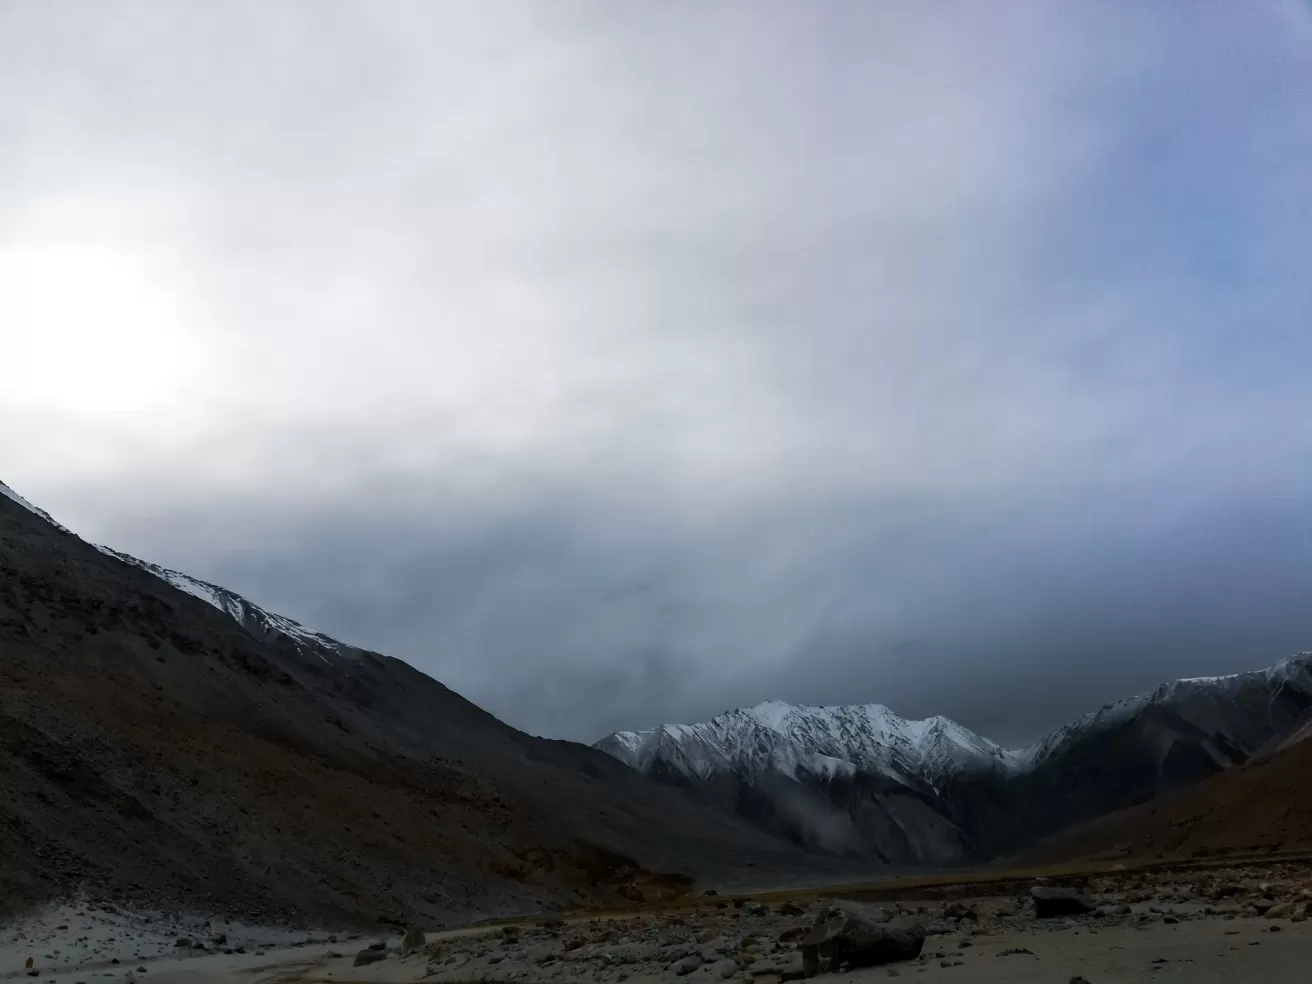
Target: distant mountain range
861	780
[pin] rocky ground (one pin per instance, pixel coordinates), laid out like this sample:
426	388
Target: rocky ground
1236	922
1217	913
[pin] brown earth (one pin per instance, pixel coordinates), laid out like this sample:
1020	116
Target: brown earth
1262	807
152	749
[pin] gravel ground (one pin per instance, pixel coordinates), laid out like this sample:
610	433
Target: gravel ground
1224	924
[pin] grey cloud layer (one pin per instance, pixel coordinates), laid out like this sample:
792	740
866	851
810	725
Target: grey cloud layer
619	363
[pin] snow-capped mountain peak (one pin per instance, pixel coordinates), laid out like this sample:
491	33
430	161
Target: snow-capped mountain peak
775	736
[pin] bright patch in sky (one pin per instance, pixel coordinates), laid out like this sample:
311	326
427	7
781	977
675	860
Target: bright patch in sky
99	331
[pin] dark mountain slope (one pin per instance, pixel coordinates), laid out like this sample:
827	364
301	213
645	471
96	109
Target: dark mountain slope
151	744
1260	807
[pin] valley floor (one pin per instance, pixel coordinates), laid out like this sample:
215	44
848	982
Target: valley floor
1203	925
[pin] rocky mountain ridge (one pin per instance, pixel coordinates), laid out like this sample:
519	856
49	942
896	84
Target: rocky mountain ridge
859	778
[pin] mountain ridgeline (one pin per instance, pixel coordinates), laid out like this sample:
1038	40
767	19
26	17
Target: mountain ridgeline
164	741
862	781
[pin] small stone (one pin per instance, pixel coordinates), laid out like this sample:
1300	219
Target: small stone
687	965
725	969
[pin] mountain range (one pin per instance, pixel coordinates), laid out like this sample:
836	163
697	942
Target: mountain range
863	781
164	740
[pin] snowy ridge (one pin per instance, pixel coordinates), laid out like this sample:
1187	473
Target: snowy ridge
776	737
824	742
255	619
10	494
262	623
1295	671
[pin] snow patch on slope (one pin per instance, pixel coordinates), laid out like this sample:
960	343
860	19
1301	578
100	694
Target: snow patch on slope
231	604
10	494
255	619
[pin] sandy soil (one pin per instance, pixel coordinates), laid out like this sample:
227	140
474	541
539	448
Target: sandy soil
1199	927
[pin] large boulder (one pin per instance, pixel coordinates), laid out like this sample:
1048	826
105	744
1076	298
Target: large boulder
1051	901
365	957
858	935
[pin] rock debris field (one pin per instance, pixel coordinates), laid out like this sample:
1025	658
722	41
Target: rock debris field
1223	924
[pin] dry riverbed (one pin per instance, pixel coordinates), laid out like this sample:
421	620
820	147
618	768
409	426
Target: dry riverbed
1223	924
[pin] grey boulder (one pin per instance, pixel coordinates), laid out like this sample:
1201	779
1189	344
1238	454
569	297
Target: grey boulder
369	956
858	935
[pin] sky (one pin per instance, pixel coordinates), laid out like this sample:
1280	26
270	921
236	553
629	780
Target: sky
619	363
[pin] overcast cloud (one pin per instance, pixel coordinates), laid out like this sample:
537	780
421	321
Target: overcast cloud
622	362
